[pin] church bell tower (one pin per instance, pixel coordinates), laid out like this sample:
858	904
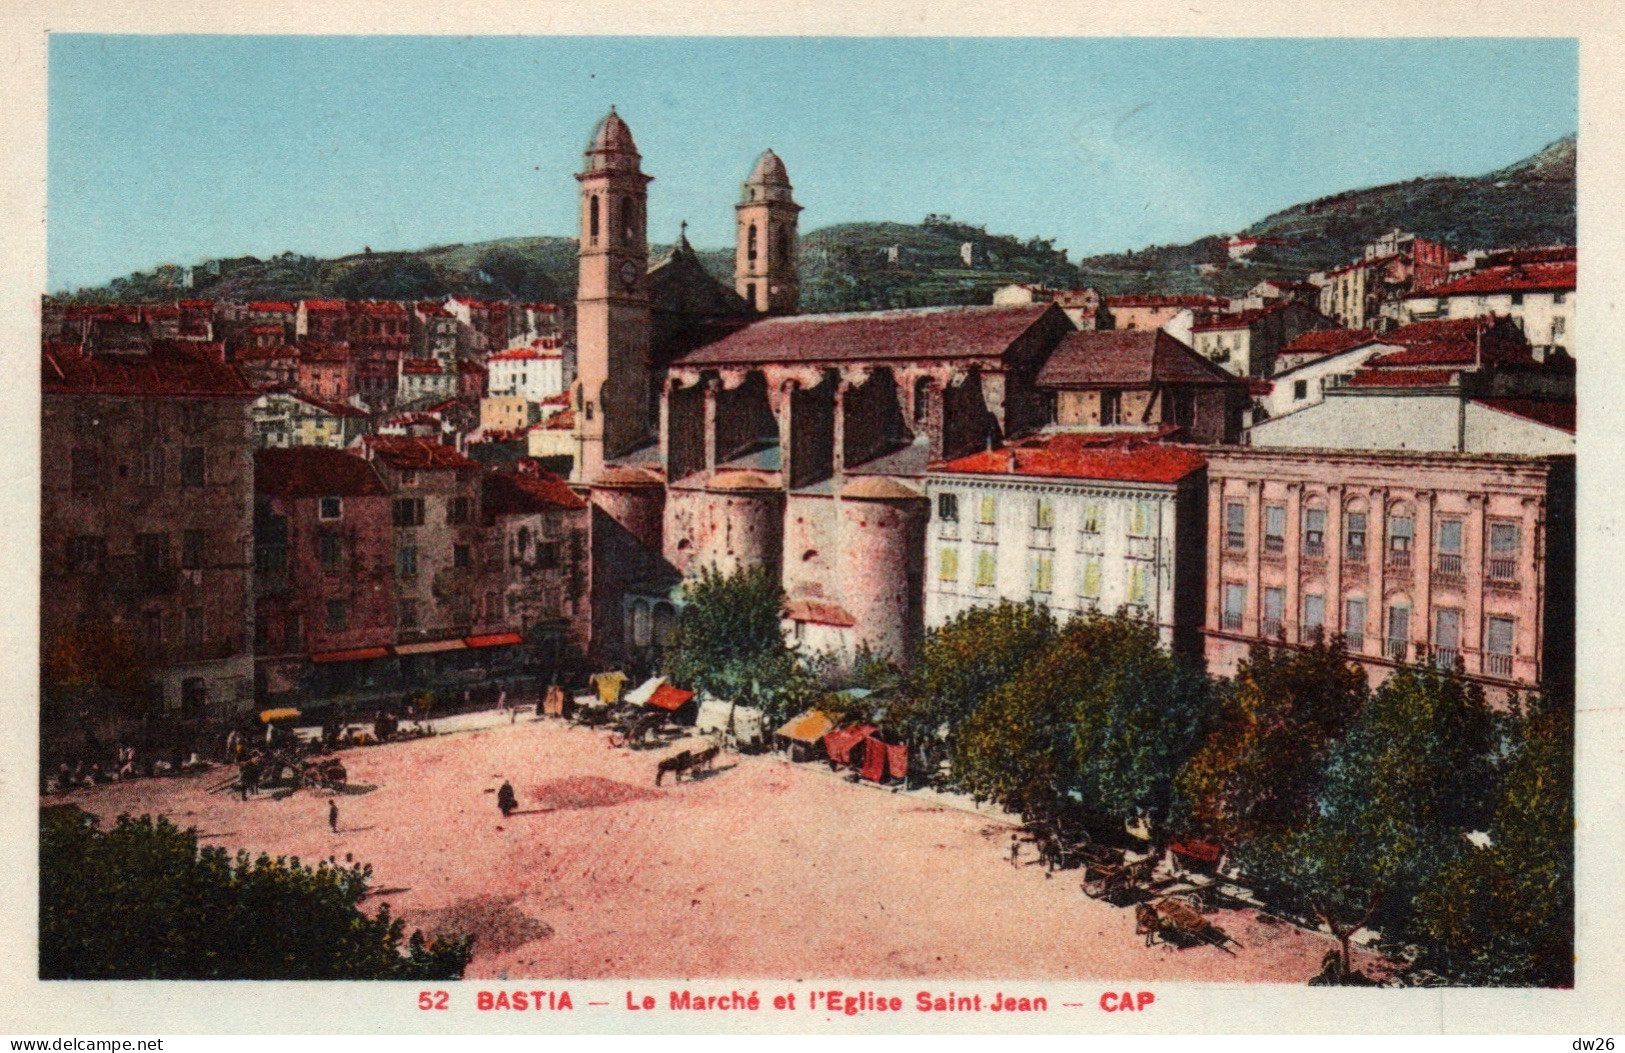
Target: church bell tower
765	260
611	392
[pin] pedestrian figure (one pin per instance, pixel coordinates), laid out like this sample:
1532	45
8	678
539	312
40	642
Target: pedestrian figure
506	800
333	815
1015	849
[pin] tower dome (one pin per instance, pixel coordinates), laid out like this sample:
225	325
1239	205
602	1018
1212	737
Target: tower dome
769	181
611	145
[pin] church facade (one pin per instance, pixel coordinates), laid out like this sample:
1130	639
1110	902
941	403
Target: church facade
718	427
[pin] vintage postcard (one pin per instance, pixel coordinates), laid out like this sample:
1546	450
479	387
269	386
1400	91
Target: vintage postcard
813	532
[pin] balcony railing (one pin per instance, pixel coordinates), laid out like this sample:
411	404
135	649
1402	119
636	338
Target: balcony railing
1447	565
1270	628
1354	641
1274	544
1354	555
1498	665
1309	632
1397	650
1445	658
1230	620
1314	549
1235	542
1502	570
1399	559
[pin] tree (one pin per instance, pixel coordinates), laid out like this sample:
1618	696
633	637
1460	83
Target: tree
1503	914
1401	790
1258	774
140	902
727	642
964	661
1101	717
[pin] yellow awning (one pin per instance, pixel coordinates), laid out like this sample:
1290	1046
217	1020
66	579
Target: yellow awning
809	727
431	648
268	715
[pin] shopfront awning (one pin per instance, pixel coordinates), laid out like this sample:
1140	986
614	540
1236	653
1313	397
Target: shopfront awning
430	648
494	640
285	713
670	698
809	727
354	654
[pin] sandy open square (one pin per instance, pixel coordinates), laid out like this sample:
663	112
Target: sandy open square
762	870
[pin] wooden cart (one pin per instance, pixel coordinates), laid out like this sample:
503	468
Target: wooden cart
1177	922
1114	879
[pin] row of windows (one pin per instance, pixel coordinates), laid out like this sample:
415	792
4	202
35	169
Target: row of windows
408	511
1505	536
90	468
87	553
153	634
1499	631
1042	574
1143	514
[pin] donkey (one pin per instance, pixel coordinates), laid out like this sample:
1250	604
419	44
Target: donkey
677	764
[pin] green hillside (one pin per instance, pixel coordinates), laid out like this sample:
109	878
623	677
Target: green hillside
861	266
1528	203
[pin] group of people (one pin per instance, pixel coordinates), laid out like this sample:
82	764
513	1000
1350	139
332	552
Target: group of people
125	764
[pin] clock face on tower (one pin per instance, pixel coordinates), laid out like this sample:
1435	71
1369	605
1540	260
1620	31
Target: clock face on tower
629	275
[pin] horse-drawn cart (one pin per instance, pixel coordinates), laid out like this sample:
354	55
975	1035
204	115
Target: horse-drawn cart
1177	922
326	774
636	728
1108	876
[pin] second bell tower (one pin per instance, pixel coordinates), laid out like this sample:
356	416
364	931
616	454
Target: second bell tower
765	259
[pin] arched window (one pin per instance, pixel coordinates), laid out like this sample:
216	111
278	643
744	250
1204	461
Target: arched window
629	220
784	244
592	218
922	400
750	244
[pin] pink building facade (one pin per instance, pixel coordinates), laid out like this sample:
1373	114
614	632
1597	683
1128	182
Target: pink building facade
1411	557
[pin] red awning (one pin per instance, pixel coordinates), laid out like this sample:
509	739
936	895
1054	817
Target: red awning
494	640
670	698
355	654
1201	851
838	744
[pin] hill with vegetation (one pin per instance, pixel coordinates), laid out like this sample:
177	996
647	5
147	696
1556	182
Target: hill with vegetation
1528	203
939	261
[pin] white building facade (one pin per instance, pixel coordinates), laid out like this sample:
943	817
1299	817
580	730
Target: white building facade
531	373
1073	545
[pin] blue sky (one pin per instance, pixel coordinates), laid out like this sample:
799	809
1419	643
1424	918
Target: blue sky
180	148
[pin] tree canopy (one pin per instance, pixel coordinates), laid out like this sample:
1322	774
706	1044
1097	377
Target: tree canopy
141	902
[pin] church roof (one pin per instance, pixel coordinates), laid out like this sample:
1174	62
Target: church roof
1135	358
929	332
769	171
611	145
679	284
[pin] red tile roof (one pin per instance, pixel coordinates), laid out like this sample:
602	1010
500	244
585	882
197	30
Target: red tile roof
1375	261
563	420
528	487
421	366
432	310
1453	342
400	452
1126	358
146	376
383	307
272	307
1151	300
1401	378
1241	319
1328	341
273	353
468	365
1535	277
336	409
1071	455
933	332
524	354
314	471
1546	254
322	305
1559	415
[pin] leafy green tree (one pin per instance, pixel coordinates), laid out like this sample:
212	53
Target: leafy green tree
140	902
1102	716
728	642
964	661
1258	774
1504	914
1402	789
